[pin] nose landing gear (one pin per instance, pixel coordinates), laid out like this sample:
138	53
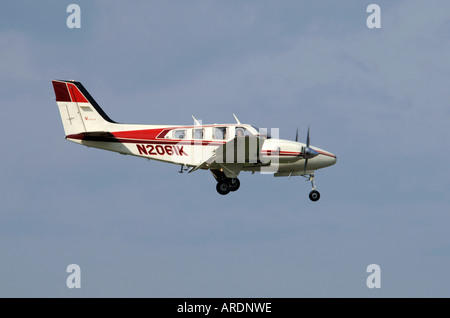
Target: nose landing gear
314	195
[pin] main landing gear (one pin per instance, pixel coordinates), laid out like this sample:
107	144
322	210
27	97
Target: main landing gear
314	195
225	185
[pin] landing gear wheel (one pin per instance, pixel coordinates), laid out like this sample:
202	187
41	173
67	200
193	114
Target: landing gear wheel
314	195
234	184
223	188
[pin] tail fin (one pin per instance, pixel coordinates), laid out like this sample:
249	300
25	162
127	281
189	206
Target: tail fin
79	111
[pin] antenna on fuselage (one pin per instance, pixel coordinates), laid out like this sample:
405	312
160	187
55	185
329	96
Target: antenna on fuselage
196	121
237	120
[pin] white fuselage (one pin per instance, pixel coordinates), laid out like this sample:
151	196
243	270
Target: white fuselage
192	145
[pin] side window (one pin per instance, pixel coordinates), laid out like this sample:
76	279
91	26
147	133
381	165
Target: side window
198	133
242	132
179	134
220	133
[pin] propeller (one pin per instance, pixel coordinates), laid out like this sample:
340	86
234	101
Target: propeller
307	151
296	135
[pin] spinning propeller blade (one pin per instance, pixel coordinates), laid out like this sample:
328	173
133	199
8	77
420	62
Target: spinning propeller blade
307	138
308	152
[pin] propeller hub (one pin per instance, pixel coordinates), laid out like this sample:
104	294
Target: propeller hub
309	153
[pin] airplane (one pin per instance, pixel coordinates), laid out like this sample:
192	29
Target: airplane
224	149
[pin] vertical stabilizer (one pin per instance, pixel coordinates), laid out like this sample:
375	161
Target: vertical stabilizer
79	111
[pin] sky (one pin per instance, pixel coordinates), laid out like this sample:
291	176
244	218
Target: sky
377	98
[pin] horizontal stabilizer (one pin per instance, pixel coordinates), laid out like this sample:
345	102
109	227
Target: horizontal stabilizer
94	136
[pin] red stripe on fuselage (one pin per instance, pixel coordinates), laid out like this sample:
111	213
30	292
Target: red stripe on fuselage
114	138
281	153
144	134
326	154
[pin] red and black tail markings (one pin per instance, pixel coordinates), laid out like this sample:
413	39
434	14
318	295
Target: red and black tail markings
75	94
71	91
61	92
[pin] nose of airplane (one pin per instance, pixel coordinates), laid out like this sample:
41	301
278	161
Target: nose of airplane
333	160
328	158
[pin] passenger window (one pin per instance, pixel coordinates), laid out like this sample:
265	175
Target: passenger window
198	133
220	132
242	132
179	134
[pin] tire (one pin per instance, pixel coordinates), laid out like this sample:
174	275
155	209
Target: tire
223	188
314	195
234	185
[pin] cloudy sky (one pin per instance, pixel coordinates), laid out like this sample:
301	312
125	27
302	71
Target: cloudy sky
377	98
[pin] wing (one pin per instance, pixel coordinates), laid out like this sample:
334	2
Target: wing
232	156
